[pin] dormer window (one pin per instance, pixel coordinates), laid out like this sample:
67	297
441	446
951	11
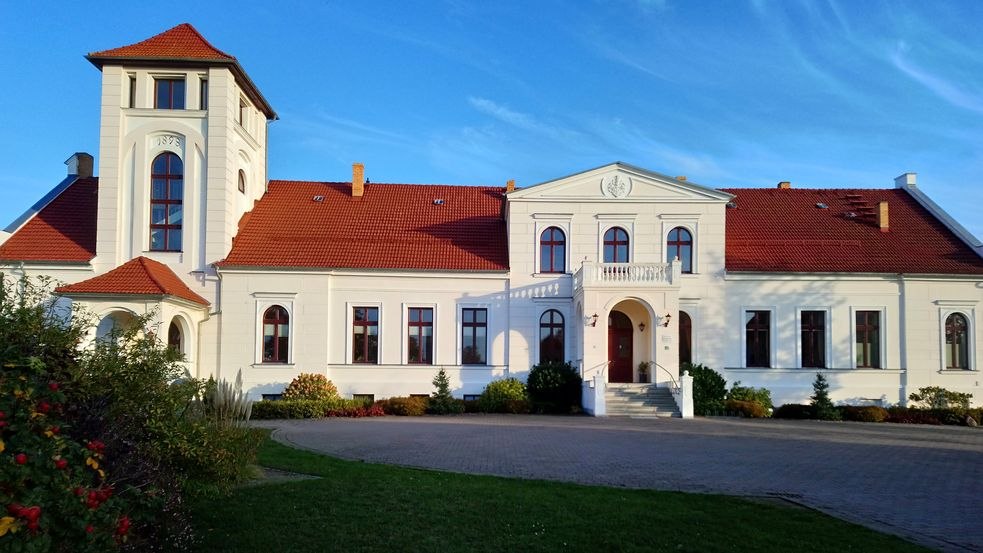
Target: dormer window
169	93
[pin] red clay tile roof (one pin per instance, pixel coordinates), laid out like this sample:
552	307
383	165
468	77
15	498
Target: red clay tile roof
776	230
62	231
181	42
393	226
139	276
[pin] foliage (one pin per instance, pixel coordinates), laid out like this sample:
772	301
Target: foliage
310	386
356	412
442	402
225	403
554	387
709	389
761	396
907	415
300	408
822	406
412	406
795	411
863	413
749	409
470	406
504	396
934	397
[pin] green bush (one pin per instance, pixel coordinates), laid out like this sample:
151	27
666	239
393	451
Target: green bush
795	411
404	406
709	389
504	396
554	388
472	406
822	406
863	413
310	386
300	408
749	409
442	402
907	415
934	397
761	396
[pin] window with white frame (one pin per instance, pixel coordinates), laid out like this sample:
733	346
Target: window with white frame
867	339
679	245
757	338
365	335
474	336
276	334
812	339
419	328
957	341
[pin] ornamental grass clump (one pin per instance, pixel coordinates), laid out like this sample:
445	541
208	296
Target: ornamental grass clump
310	386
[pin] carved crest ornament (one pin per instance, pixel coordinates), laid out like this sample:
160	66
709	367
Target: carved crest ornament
616	186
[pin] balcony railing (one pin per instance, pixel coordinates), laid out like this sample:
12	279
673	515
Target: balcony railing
593	274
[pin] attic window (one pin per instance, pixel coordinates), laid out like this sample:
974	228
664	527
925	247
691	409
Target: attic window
318	198
438	201
821	205
850	215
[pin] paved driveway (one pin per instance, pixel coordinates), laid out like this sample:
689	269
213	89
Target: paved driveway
923	483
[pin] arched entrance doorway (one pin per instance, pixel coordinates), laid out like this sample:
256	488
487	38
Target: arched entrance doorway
620	352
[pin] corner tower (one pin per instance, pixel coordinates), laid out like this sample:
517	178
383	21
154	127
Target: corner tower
182	151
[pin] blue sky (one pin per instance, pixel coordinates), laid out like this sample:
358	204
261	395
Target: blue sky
823	94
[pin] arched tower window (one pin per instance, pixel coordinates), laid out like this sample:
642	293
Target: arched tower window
166	202
551	337
276	335
242	181
956	342
552	251
616	245
175	340
680	244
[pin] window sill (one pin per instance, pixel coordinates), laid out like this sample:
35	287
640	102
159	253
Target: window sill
958	371
273	365
549	275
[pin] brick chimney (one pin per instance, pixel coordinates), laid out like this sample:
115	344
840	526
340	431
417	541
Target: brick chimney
80	164
784	185
510	186
358	180
681	178
882	217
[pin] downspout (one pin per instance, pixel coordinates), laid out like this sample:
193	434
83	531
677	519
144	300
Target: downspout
903	334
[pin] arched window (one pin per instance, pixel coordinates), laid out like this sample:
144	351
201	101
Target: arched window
276	335
242	181
685	338
551	337
552	251
680	244
175	340
616	245
166	195
956	342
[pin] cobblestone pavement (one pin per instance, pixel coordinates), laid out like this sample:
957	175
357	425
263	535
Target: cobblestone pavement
922	483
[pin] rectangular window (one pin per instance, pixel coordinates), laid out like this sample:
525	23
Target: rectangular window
242	112
169	93
365	335
868	336
758	336
420	329
203	94
133	92
472	397
474	336
813	334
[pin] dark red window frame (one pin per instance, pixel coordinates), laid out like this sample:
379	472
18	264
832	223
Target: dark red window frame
758	339
552	251
166	192
813	334
169	93
680	244
956	341
868	339
276	345
474	336
365	319
420	320
551	340
616	245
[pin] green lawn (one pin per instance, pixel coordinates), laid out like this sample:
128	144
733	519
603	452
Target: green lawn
366	507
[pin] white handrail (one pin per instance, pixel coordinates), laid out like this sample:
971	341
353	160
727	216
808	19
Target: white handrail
600	366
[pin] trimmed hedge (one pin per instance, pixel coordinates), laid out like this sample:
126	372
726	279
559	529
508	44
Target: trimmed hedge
749	409
794	411
863	413
300	408
404	406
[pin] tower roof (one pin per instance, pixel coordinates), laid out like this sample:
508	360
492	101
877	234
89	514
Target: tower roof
182	45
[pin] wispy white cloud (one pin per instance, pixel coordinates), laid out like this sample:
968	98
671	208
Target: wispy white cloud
524	121
941	87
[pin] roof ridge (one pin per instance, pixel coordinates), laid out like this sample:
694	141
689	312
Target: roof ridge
143	262
169	34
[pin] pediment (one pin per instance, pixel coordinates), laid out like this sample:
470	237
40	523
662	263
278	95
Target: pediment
620	182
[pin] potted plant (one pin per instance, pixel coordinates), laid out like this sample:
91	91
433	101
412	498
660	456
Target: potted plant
643	371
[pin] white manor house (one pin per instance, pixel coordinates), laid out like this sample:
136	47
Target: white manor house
624	272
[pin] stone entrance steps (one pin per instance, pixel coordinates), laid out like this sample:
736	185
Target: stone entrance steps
639	400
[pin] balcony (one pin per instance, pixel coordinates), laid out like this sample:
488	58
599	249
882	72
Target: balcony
627	275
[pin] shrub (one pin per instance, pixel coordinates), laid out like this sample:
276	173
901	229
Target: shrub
934	397
749	409
404	406
906	415
761	396
554	388
864	413
300	408
822	406
442	402
795	411
503	396
472	406
310	386
709	389
225	403
356	412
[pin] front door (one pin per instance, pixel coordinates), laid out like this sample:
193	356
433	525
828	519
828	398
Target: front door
619	347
